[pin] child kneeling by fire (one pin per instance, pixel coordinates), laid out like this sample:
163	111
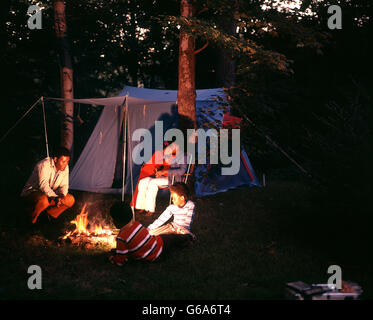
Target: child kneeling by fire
137	242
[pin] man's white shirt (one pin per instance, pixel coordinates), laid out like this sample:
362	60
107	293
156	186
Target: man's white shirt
46	178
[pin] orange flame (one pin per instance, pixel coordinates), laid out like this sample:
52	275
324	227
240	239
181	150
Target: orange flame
81	221
98	231
66	235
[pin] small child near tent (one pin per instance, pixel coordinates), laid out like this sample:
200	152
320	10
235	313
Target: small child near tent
182	211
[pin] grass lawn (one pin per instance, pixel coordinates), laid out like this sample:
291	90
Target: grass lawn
251	241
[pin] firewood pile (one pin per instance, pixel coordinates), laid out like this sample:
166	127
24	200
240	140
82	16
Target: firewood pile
90	240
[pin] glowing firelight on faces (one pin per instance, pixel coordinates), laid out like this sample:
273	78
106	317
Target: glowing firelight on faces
96	234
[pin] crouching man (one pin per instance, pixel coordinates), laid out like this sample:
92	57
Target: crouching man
47	187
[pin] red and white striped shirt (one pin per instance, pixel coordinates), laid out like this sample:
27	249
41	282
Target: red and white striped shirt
134	241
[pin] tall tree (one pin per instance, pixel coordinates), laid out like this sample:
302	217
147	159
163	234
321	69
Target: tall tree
66	69
226	67
186	95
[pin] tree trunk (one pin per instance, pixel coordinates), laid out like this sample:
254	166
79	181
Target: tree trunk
67	92
186	95
226	69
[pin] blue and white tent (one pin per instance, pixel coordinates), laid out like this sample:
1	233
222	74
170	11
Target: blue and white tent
103	155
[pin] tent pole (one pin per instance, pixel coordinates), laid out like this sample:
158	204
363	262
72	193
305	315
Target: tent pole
124	147
130	161
189	164
172	183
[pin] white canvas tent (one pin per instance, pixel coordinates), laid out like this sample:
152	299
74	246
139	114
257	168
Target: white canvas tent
95	169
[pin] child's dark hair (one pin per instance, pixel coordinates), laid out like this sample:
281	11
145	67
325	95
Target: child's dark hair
181	189
121	213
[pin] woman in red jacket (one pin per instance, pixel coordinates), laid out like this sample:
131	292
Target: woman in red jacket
150	169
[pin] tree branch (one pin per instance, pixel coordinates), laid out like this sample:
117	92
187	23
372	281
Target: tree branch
202	48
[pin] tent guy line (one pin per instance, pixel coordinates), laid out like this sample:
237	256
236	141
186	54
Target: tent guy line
20	119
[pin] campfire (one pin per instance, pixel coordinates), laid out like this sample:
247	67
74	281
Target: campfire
88	234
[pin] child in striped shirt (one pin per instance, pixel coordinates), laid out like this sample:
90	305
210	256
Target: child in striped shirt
182	211
133	240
